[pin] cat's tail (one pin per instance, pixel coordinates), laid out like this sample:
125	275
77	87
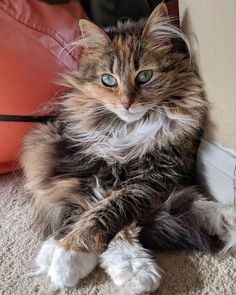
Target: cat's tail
175	226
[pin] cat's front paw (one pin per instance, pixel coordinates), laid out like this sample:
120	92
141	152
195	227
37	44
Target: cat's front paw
137	281
44	257
69	266
131	268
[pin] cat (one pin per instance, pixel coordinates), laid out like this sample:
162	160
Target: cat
111	178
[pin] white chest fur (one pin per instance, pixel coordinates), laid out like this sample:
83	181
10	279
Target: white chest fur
125	143
119	141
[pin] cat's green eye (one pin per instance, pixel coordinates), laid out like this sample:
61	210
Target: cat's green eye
108	80
144	76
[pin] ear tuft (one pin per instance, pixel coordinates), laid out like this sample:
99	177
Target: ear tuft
92	35
159	12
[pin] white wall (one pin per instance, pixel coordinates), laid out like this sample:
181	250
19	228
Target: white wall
211	25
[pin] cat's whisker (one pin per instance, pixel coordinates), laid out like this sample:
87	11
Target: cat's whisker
34	273
69	48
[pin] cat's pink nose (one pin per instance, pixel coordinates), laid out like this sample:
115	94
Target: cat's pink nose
127	104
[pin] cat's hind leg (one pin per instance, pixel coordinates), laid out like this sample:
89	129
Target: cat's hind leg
188	220
132	268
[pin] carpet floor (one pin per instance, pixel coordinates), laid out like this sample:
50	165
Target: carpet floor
184	273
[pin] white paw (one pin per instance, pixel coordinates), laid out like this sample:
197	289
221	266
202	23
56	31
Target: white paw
68	267
44	258
131	268
228	224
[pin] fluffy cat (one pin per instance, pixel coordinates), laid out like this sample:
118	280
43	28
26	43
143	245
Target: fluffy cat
112	177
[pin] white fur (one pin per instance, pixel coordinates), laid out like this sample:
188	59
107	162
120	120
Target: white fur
218	219
99	192
65	268
120	141
68	267
44	258
129	116
125	144
131	268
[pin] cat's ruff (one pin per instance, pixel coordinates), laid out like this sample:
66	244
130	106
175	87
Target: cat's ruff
125	141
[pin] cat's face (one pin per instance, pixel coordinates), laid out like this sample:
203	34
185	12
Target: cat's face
126	70
123	78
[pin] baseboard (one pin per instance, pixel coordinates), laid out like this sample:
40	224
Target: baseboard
217	167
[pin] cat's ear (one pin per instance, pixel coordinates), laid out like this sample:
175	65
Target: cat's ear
159	12
92	35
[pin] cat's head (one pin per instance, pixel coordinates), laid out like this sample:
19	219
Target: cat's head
132	68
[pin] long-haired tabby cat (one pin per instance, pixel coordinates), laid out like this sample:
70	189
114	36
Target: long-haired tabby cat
113	176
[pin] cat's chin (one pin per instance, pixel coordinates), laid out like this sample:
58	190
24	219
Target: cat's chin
128	116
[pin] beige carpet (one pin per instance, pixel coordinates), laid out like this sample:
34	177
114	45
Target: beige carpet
184	273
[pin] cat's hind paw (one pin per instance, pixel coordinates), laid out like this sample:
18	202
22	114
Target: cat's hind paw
229	229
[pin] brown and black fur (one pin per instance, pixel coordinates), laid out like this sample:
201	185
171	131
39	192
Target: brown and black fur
154	186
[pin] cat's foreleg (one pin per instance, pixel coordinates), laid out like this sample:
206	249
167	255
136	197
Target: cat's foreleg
91	234
99	225
56	205
65	268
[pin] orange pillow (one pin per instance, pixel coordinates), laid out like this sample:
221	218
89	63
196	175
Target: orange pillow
33	35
